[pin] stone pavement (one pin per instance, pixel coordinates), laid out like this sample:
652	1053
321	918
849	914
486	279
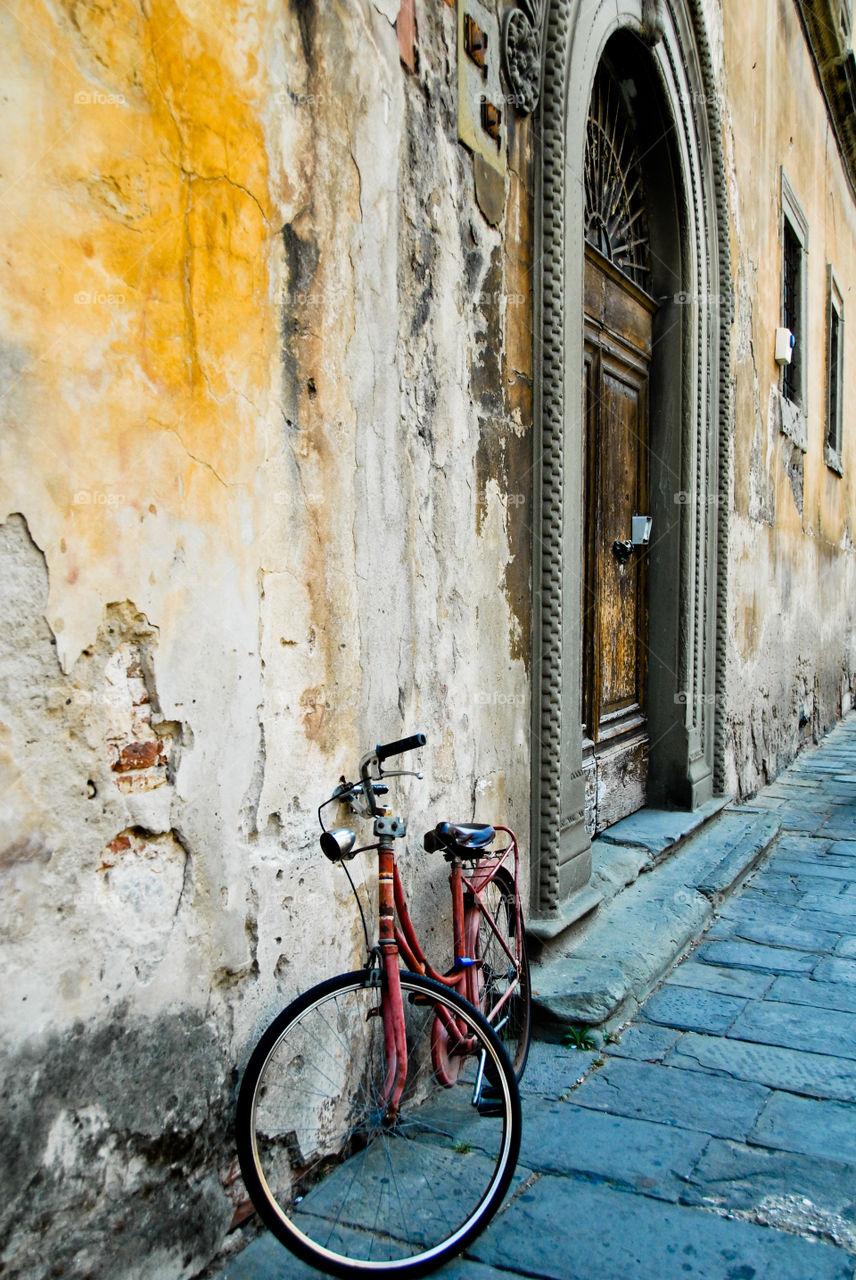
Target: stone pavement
715	1139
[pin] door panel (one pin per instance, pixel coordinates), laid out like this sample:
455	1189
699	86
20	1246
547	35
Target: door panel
615	389
619	587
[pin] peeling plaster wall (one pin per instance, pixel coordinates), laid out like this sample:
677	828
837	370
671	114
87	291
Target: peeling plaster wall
792	559
265	410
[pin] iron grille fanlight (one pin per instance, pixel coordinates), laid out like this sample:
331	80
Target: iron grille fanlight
616	219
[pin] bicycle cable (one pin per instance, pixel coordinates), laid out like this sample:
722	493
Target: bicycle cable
344	867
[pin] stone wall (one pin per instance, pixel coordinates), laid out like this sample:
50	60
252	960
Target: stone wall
265	412
792	568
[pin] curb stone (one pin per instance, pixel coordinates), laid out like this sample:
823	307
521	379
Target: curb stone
631	943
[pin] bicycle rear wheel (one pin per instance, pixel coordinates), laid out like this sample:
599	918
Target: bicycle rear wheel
337	1181
500	971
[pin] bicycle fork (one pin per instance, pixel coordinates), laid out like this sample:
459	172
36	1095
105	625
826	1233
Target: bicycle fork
392	1005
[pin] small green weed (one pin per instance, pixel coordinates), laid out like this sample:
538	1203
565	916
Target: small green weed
579	1038
462	1148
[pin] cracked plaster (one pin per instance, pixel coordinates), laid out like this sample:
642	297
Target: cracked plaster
245	531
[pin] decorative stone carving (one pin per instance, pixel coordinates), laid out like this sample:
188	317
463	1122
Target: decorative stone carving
521	52
653	20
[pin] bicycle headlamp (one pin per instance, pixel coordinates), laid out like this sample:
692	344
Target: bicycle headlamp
339	844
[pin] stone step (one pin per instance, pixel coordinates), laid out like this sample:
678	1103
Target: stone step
600	977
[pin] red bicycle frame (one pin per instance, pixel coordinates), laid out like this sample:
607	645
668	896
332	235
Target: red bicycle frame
400	939
467	908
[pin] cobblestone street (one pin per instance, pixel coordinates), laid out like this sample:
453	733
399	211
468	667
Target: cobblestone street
716	1138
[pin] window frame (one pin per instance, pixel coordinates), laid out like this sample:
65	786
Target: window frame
833	425
794	219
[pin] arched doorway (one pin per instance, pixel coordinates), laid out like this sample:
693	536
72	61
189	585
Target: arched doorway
646	354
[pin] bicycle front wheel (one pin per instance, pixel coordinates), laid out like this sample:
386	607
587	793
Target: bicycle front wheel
343	1184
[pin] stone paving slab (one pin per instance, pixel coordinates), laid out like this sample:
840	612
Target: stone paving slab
830	904
669	1096
266	1259
822	886
774	933
729	982
553	1069
742	856
753	905
834	970
797	1026
615	1236
804	819
769	879
577	989
790	1123
816	848
644	1042
794	784
563	1138
748	955
693	1009
657	829
787	897
812	1074
841	863
733	1174
840	828
795	844
810	991
807	870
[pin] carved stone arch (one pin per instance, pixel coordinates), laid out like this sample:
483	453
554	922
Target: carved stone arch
665	43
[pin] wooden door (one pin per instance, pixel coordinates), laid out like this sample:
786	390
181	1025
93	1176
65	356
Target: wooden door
618	320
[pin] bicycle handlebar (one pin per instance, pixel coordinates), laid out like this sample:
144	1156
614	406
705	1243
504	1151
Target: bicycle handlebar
384	751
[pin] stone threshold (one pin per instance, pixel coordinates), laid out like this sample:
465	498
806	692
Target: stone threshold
620	855
659	880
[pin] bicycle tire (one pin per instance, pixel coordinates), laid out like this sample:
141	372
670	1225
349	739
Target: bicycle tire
496	972
333	1181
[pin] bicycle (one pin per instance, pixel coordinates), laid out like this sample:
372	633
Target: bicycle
378	1120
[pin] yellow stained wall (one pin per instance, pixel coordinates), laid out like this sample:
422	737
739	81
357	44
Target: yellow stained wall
135	305
792	565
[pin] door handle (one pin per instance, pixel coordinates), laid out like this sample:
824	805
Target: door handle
640	536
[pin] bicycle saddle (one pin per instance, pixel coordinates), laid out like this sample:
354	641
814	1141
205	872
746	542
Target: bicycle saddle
460	839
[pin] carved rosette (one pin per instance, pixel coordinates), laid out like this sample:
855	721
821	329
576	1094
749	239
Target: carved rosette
521	52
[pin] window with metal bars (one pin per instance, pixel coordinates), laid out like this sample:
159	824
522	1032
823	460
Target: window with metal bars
792	310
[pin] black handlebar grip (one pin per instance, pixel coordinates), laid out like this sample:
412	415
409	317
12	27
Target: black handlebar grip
383	751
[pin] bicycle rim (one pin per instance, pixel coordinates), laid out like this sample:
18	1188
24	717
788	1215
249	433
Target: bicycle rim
337	1181
498	973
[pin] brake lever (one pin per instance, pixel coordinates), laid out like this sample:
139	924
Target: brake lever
353	794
